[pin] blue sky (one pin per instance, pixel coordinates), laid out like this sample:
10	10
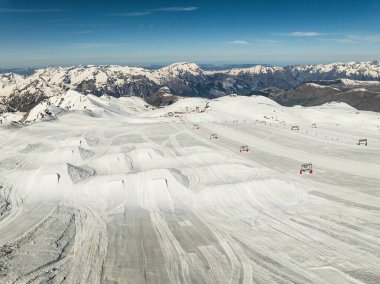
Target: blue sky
37	33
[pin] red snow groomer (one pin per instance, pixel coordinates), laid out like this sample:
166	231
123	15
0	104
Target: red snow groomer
214	136
244	148
306	168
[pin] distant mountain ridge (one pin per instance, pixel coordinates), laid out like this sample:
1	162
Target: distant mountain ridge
364	95
186	80
18	71
207	67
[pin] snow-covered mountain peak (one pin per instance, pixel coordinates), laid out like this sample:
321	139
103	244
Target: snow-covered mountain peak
258	69
369	69
179	69
8	82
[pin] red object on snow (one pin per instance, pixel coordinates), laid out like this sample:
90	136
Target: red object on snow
306	168
244	148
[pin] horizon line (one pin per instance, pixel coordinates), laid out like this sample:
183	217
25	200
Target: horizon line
163	64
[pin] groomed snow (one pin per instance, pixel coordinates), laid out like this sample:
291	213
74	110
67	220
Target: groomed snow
113	191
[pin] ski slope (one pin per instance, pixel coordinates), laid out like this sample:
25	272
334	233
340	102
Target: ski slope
106	190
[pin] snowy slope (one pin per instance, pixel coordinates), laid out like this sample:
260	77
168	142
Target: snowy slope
86	104
259	109
226	109
113	190
8	82
177	70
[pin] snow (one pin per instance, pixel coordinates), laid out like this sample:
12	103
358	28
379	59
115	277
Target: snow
6	91
358	90
258	69
368	69
122	192
85	104
176	70
321	86
8	82
9	117
53	81
349	82
164	90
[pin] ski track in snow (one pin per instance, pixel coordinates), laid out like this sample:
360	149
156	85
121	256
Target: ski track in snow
102	200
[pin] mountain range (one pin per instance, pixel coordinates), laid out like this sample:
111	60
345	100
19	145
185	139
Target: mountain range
355	83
